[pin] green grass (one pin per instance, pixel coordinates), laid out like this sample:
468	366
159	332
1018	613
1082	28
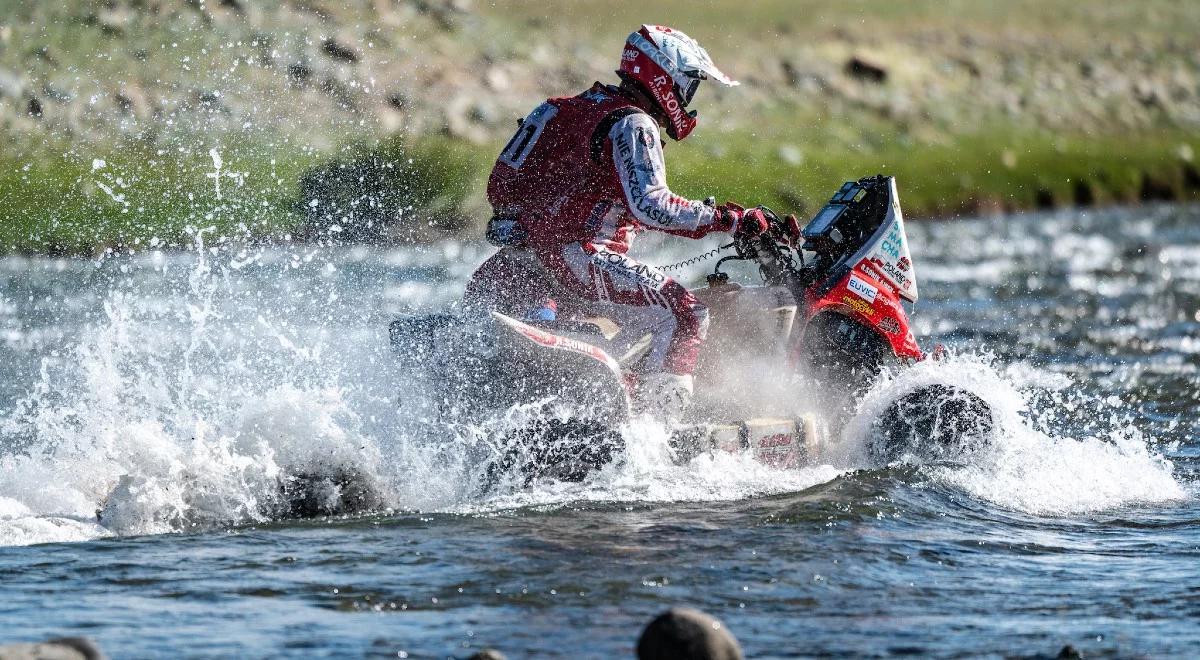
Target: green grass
53	203
1002	169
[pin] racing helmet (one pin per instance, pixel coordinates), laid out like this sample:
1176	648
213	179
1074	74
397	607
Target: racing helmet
669	65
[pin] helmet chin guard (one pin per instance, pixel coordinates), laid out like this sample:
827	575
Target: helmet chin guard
669	65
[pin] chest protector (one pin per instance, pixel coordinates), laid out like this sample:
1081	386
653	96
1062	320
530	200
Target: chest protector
556	177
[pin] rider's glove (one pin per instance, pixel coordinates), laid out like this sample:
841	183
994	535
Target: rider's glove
792	225
741	222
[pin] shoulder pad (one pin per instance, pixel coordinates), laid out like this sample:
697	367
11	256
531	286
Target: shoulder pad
601	133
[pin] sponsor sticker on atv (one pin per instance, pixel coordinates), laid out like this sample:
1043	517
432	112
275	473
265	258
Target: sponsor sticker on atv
858	306
567	343
550	340
889	252
895	272
862	289
773	442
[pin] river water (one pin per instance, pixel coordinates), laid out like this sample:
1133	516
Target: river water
151	404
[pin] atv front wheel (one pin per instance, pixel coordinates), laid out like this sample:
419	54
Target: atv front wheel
935	422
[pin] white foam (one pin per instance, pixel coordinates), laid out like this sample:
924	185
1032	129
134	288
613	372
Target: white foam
130	447
1028	467
21	526
648	473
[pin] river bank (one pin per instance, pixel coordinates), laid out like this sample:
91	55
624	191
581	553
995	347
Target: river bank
130	124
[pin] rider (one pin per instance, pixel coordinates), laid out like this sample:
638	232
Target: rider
581	176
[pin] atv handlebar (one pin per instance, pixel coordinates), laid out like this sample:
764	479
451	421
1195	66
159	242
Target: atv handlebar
780	261
771	250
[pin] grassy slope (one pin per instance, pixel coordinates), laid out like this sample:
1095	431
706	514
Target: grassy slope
765	142
986	161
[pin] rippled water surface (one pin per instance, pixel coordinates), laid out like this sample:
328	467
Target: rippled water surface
151	404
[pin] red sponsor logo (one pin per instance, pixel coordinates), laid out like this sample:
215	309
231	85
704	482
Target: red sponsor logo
543	338
776	440
555	341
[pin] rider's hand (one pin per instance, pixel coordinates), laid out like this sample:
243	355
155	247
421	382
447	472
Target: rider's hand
727	215
792	225
741	222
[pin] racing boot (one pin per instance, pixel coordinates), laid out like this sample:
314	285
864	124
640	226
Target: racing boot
665	396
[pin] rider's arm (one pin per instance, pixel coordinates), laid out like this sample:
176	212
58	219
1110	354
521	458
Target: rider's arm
638	157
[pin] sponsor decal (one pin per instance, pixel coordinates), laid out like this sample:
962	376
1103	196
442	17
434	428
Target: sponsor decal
862	289
673	106
543	338
858	305
869	267
669	101
895	272
777	450
656	55
629	54
624	267
893	242
595	218
890	257
637	173
776	440
555	341
889	325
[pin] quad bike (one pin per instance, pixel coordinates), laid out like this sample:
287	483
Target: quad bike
828	317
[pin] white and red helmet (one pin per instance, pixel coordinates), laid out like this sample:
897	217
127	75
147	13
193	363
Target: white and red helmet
669	65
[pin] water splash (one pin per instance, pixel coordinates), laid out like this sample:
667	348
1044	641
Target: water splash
200	414
1080	454
212	380
147	428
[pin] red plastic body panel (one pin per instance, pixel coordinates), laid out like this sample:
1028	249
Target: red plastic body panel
867	298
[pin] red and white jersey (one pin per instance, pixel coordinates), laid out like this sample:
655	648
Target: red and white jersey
589	169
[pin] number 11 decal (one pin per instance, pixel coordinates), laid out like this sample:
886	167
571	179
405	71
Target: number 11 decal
518	148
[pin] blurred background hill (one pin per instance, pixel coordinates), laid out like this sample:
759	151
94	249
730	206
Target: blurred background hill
135	123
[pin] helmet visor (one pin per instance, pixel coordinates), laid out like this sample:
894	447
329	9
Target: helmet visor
688	92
